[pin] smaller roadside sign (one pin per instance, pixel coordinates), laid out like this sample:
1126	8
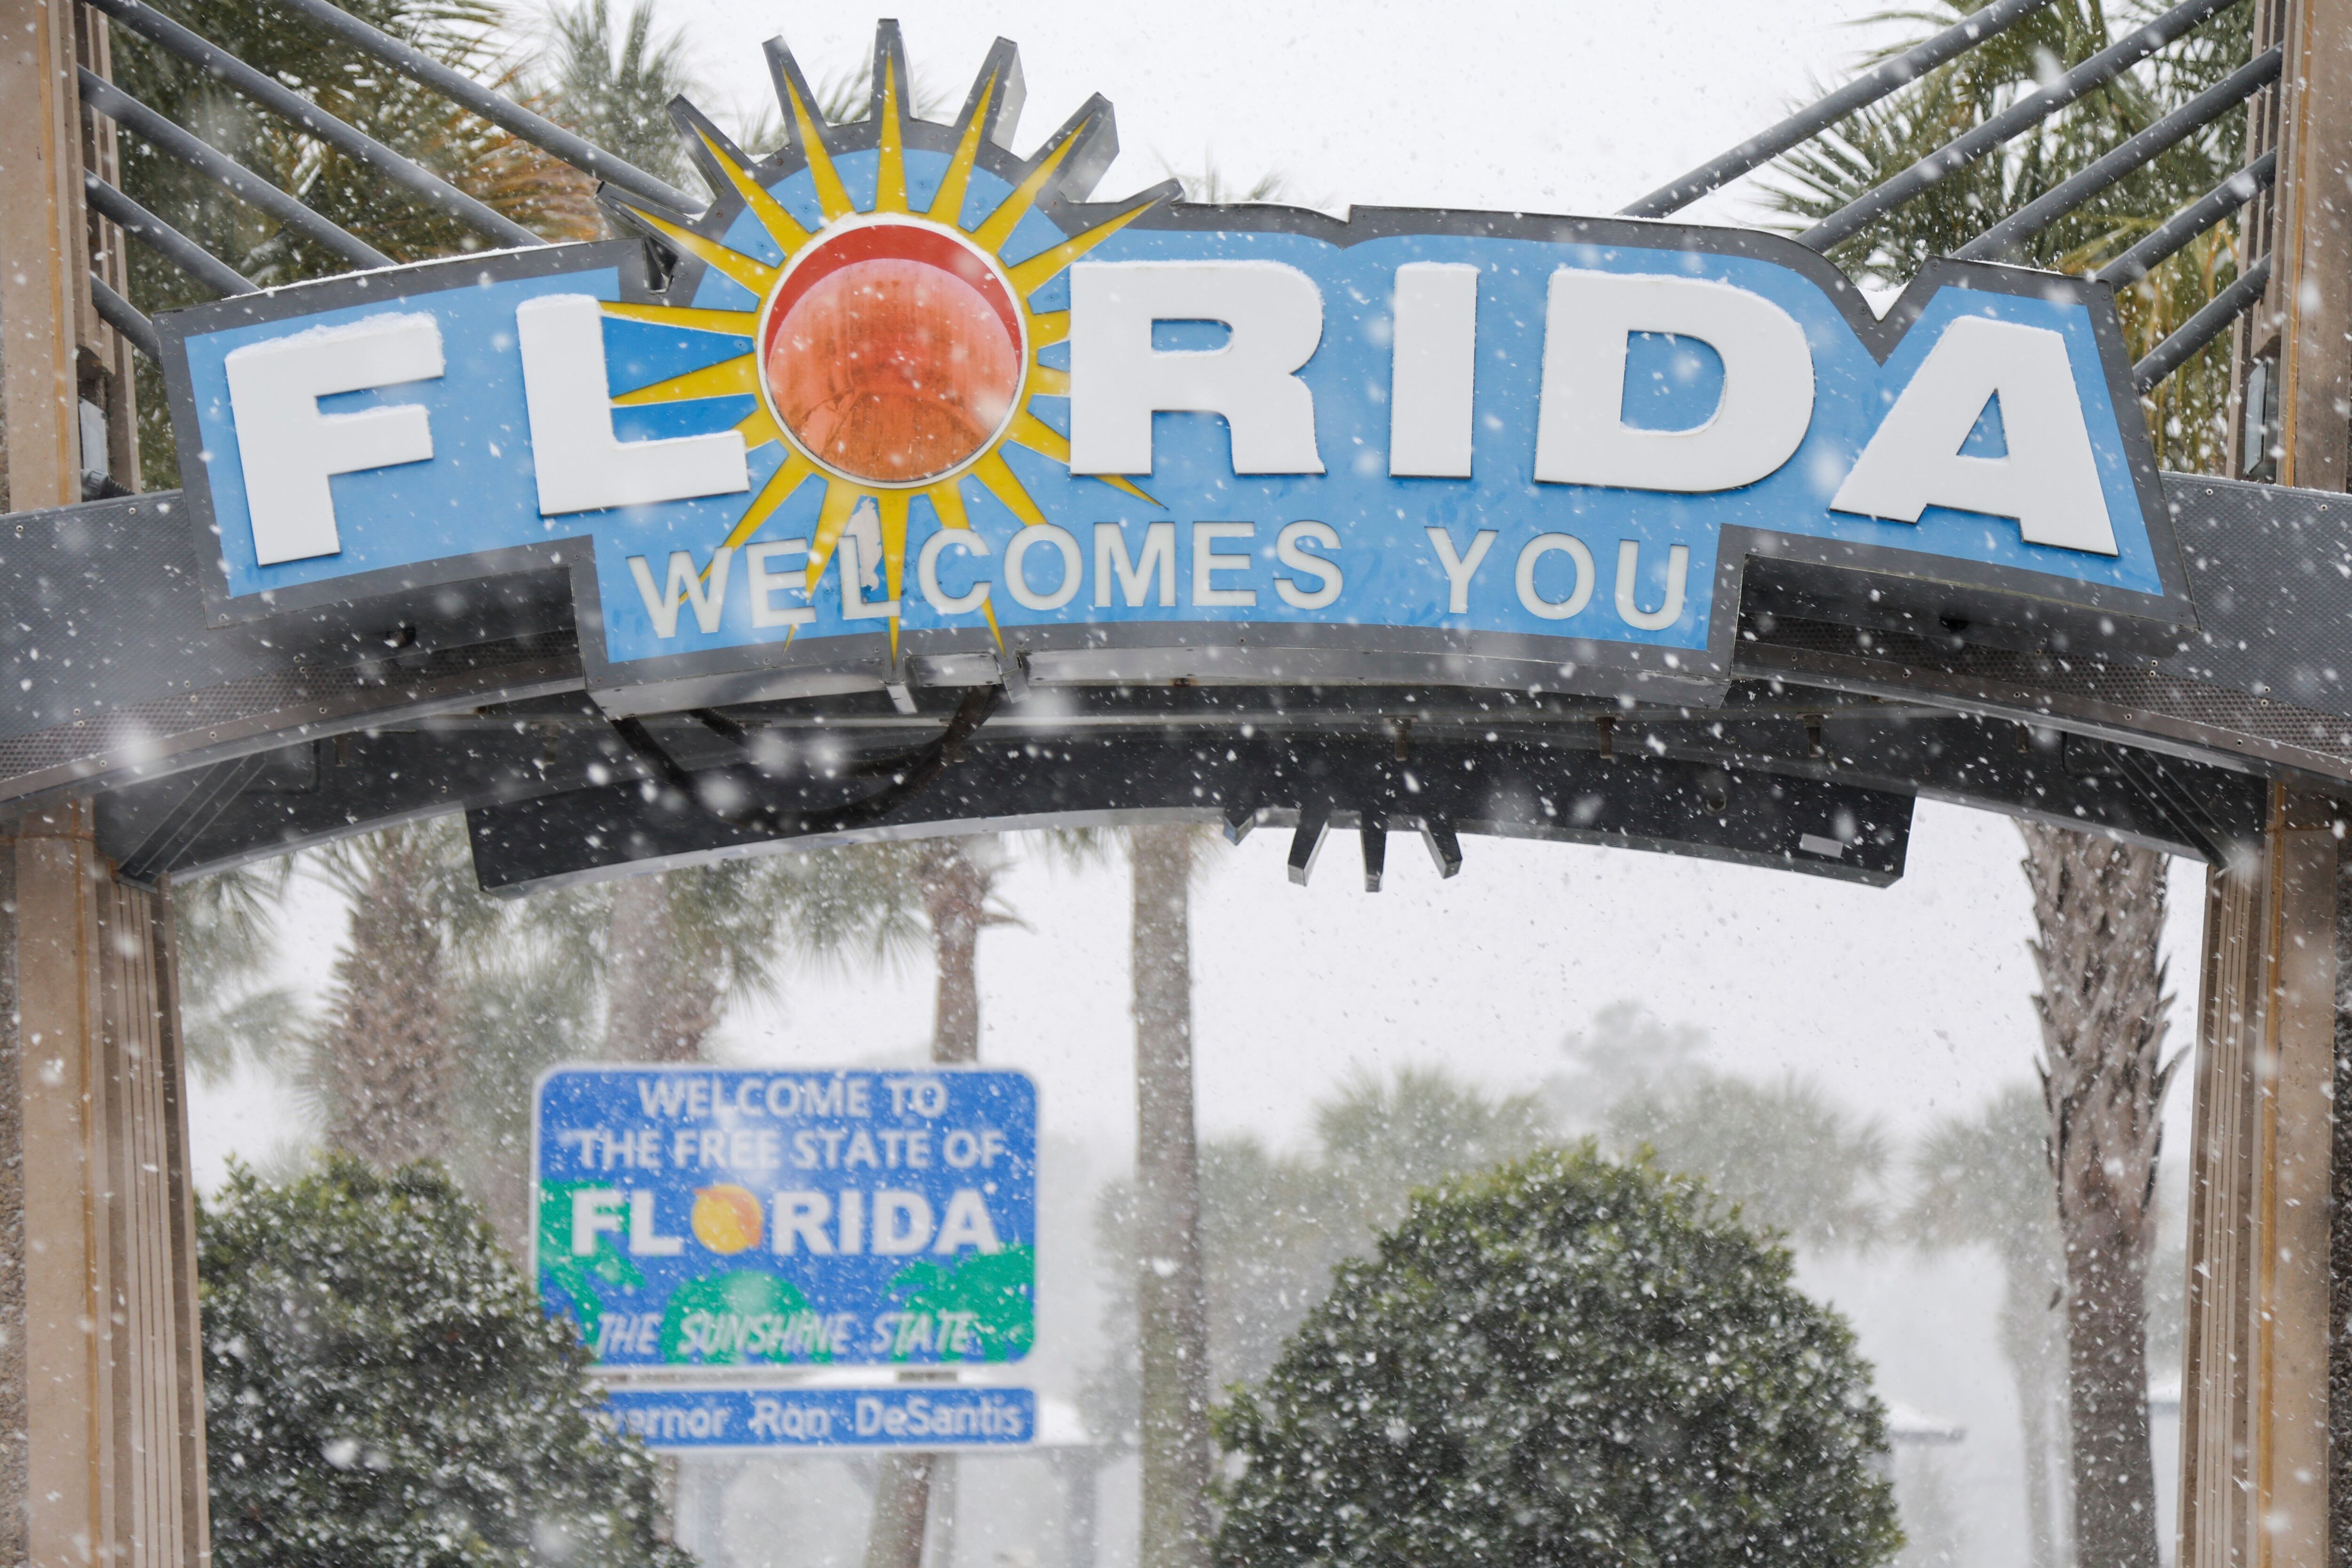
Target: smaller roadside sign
696	1218
919	1416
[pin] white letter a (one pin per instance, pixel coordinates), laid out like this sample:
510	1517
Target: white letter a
2049	480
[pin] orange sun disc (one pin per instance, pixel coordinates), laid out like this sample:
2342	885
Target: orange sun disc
892	353
726	1218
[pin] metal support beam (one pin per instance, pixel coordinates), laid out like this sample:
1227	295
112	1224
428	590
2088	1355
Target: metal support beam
231	175
496	108
1815	118
300	111
2176	232
2169	132
2253	1425
167	241
2211	322
2025	114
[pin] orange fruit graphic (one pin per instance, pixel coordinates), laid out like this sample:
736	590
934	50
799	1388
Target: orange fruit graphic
726	1218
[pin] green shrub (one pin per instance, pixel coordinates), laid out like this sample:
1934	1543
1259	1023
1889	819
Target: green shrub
382	1390
1563	1362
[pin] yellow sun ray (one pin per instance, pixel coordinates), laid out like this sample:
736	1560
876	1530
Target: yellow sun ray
733	323
840	502
999	225
1038	435
997	477
737	377
773	494
947	206
947	499
832	195
786	230
753	274
1038	271
890	151
843	495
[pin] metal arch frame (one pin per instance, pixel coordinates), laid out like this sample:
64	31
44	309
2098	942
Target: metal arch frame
494	721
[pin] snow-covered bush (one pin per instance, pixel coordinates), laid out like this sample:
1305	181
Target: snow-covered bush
382	1390
1565	1361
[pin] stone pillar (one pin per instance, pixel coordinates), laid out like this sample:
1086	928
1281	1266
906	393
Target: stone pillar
103	1384
2254	1388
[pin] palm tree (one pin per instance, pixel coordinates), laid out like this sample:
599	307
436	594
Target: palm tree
1983	1180
676	946
1274	1226
954	881
616	92
1794	1159
384	1061
225	946
2099	906
1381	1140
1172	1300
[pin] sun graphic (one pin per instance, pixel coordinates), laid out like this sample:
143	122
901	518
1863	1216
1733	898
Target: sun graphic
726	1218
894	353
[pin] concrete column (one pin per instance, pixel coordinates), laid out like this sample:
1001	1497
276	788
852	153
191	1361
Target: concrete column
103	1386
2253	1420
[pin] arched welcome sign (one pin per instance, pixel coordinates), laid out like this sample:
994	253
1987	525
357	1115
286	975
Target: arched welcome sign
909	408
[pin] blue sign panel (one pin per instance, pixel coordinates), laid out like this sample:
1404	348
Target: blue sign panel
690	1216
905	397
692	1420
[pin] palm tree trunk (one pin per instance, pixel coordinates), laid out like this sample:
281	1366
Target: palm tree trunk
2107	1377
956	888
2099	906
1171	1305
2025	1318
386	1058
902	1501
659	1006
955	897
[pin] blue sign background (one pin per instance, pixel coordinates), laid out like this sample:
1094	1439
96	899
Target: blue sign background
667	1200
476	492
